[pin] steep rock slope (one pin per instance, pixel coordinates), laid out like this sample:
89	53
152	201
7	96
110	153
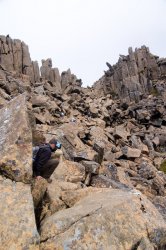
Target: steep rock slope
113	154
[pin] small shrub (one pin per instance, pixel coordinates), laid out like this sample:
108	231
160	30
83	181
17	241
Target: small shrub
154	92
163	167
113	94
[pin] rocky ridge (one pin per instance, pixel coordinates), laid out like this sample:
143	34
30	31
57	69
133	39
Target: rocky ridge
134	76
113	153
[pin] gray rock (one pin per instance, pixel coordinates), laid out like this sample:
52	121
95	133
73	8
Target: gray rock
16	141
36	71
132	76
121	132
99	148
17	225
131	152
91	166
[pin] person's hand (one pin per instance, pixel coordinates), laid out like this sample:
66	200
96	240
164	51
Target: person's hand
38	178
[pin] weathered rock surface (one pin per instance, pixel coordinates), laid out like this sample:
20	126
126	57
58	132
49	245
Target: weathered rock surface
39	188
160	203
70	171
74	148
17	223
50	74
133	75
97	220
71	197
107	143
14	56
16	141
53	201
131	153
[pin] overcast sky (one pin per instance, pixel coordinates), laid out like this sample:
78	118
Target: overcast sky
84	34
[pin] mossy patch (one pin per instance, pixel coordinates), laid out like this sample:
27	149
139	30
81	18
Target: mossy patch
163	166
113	94
154	92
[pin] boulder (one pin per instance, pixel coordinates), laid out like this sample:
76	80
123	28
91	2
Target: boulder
53	197
39	101
136	143
91	166
99	148
121	132
17	224
131	152
39	188
44	118
93	110
70	171
123	177
71	197
103	181
147	171
160	203
16	141
97	222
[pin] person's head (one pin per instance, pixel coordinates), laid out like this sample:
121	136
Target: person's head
54	144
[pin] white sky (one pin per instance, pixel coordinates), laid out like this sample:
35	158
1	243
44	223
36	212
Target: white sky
84	34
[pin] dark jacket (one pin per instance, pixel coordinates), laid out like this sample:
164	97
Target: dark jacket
43	155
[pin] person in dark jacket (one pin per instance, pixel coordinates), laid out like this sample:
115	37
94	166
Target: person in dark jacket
43	165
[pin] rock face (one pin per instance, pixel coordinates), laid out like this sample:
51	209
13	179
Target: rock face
97	220
68	79
133	76
14	56
50	74
113	153
17	225
16	141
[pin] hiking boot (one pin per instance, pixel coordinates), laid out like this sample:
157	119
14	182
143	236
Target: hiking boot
49	180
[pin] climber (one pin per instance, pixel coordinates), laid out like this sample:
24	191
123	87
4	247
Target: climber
43	166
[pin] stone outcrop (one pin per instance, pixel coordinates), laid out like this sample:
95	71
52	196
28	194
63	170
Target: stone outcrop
50	74
133	76
97	220
68	79
17	225
113	154
14	56
55	199
16	141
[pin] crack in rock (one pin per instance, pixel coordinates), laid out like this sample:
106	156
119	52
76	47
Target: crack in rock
67	228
